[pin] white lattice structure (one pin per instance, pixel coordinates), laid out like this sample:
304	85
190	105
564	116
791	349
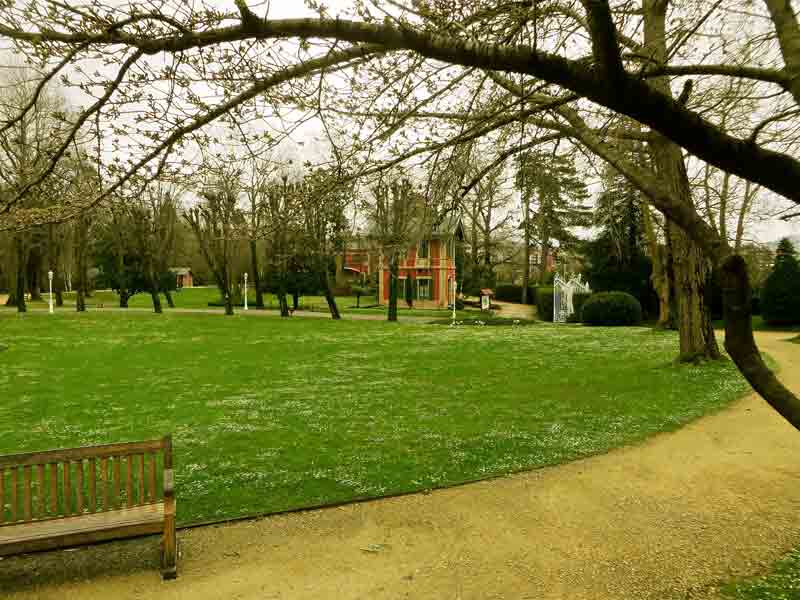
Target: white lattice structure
563	291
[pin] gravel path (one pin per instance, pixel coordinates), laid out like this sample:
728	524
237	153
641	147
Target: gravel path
668	518
513	310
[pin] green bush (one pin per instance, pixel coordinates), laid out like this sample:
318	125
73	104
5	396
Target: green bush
780	298
513	293
459	304
611	308
578	300
544	303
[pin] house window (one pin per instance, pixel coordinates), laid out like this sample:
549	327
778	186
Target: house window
424	249
423	289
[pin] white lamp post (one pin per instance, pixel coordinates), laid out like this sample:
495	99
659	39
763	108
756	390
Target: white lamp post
245	290
50	281
454	299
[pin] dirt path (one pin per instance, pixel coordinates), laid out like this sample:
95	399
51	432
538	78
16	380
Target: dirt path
667	518
512	310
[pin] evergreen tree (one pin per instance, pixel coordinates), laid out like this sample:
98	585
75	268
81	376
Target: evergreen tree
780	298
555	200
616	260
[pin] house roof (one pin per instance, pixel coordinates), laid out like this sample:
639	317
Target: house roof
449	225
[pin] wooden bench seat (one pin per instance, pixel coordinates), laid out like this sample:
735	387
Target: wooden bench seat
73	496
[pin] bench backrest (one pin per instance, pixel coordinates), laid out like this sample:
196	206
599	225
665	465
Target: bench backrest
72	481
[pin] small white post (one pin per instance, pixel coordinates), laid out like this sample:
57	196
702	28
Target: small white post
454	299
245	290
50	281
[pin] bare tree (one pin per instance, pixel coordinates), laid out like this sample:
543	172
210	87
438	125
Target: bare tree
397	215
214	222
410	42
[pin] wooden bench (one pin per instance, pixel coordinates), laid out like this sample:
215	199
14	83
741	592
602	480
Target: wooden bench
74	496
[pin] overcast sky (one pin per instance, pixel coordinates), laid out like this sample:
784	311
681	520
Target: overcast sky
313	146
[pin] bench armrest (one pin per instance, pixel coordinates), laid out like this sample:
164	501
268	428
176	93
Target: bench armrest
169	483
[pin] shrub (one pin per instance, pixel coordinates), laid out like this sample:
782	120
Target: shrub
611	308
780	298
513	293
544	303
578	300
459	304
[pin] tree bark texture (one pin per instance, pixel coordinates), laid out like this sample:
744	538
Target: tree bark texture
256	274
394	271
21	259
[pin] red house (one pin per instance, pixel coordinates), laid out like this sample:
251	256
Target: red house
429	266
183	276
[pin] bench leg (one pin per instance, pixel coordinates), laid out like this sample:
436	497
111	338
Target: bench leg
169	550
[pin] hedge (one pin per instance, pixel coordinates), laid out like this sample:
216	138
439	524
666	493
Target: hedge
611	308
578	300
513	293
544	303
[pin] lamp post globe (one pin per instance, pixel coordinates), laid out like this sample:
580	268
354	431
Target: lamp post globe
50	285
245	290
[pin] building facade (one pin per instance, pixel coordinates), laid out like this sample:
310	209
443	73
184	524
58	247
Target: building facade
429	266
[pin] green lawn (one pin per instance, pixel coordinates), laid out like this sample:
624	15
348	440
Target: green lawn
782	583
199	297
760	325
270	414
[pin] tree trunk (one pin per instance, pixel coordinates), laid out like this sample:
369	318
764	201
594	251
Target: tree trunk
156	299
21	260
526	269
659	275
283	302
394	271
543	257
34	275
59	292
329	297
154	292
295	300
741	345
228	304
545	208
170	301
690	267
123	298
256	274
81	234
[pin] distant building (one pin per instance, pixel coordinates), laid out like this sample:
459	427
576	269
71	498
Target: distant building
183	276
429	265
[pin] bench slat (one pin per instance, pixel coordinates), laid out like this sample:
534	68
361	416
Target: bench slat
116	467
79	486
104	481
2	495
129	480
153	491
65	454
53	488
42	505
92	485
66	472
90	528
27	494
13	494
140	472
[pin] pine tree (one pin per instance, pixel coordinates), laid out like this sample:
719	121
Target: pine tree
555	199
780	298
